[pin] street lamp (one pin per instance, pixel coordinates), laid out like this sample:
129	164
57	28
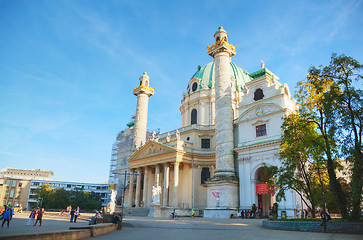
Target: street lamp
123	194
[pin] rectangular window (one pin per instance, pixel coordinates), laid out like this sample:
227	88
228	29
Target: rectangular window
20	184
12	193
261	130
205	175
14	184
205	143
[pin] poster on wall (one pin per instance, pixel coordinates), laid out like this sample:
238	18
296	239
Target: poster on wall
216	195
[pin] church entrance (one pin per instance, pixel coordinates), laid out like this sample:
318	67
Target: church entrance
264	198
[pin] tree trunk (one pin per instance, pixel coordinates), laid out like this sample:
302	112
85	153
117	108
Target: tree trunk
356	188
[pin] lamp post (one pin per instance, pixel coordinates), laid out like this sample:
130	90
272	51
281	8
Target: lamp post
123	194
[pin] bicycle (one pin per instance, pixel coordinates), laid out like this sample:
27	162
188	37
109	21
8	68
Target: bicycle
175	216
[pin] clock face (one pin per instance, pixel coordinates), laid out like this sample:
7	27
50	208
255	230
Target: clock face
259	112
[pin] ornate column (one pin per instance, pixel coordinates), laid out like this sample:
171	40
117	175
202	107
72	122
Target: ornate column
176	184
143	92
224	183
138	186
144	193
222	52
166	184
157	176
131	188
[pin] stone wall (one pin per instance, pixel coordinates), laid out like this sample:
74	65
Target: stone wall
331	227
76	233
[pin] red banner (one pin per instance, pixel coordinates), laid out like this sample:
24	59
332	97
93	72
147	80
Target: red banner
263	189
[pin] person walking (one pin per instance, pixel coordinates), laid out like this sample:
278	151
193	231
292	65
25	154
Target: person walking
39	217
72	215
76	214
6	217
11	211
193	213
31	219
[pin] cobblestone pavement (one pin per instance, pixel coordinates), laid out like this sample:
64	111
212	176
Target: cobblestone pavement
139	228
51	222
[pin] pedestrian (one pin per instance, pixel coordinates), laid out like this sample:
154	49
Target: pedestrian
11	211
6	217
31	219
193	213
72	215
39	217
76	214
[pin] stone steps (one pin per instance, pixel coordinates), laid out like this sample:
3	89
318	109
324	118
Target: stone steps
136	211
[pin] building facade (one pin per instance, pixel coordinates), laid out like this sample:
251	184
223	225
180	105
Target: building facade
26	174
14	192
230	129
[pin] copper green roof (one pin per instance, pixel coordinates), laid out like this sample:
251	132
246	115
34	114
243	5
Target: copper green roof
260	73
207	75
131	124
220	29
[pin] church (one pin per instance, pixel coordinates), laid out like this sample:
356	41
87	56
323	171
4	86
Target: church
214	163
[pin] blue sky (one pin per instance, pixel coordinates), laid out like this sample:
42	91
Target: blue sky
68	68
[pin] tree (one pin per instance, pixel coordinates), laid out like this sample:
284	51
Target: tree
44	195
329	100
300	151
60	198
316	107
347	108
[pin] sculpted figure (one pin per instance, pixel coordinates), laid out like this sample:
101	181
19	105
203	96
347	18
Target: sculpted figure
177	134
262	64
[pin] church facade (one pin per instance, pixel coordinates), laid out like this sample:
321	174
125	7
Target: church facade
230	129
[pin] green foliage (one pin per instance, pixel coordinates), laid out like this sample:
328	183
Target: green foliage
60	198
327	128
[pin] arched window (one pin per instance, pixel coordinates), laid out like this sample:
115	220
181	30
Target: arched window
258	94
194	116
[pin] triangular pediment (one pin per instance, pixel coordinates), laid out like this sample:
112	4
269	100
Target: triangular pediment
151	148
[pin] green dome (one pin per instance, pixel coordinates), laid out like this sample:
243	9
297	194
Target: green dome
207	76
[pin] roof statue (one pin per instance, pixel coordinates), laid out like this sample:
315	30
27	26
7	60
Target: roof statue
168	137
177	134
262	64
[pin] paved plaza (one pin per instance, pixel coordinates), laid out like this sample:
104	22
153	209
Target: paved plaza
52	222
140	228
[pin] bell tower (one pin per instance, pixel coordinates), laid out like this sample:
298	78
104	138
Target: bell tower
143	92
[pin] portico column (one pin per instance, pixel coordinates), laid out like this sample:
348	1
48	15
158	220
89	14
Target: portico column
131	187
144	194
166	185
138	185
157	176
176	184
